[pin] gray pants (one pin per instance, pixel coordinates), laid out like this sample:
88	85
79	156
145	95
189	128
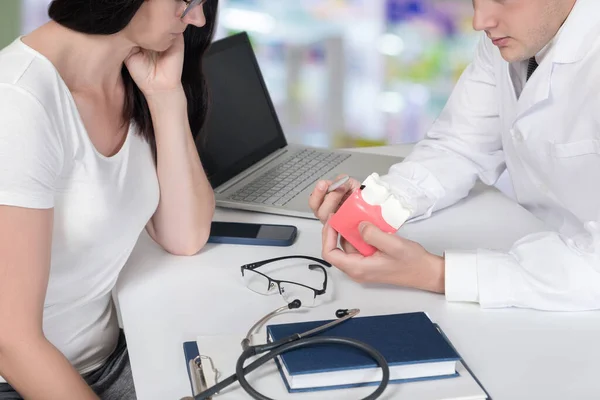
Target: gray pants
112	381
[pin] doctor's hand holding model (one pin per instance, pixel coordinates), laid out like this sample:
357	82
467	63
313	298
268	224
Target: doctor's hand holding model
530	103
97	111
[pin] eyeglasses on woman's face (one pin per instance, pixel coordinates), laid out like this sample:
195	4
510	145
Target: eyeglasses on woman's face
190	5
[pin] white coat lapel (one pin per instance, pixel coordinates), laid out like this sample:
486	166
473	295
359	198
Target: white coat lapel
580	31
509	96
537	89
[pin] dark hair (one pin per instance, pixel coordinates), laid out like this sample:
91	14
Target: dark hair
107	17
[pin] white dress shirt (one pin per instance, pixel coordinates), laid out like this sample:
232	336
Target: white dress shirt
548	137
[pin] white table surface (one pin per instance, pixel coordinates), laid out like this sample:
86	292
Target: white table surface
165	300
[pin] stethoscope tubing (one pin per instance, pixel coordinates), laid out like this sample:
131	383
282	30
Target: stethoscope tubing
272	352
292	342
241	372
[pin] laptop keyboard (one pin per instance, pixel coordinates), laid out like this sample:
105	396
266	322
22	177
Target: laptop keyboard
283	182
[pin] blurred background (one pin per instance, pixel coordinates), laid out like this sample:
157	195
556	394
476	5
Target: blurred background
341	73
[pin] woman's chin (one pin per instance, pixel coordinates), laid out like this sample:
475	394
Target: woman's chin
161	46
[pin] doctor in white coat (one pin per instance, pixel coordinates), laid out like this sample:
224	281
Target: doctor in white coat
529	103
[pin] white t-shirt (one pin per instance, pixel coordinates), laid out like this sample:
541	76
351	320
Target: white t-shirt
101	204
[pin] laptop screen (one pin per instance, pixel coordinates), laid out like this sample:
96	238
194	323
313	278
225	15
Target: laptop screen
241	127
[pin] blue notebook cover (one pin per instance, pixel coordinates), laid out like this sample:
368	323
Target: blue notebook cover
402	339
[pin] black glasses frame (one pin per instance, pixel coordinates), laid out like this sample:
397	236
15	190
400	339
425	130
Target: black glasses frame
191	4
253	266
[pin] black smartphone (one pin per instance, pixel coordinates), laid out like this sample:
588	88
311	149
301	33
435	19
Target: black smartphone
252	234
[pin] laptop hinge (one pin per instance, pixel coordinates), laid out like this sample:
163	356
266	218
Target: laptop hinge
243	175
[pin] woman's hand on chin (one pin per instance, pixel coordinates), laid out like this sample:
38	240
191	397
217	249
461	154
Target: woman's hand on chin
157	72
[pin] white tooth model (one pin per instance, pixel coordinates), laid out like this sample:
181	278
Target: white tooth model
376	192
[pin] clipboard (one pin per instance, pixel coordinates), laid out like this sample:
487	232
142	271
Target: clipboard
220	363
201	370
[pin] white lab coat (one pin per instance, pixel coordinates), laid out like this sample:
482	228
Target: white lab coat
549	140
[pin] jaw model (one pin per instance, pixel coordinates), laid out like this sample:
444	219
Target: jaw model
374	203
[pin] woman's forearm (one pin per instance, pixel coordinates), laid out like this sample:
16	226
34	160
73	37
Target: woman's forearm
37	370
181	223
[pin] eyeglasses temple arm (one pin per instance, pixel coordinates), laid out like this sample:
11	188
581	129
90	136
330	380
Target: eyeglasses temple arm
315	266
261	263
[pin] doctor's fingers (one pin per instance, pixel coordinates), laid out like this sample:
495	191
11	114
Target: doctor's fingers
347	247
329	240
354	265
315	201
333	200
348	263
330	251
387	243
331	203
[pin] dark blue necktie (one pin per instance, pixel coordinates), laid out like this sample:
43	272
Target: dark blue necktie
531	67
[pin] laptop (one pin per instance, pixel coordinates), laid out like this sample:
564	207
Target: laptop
243	149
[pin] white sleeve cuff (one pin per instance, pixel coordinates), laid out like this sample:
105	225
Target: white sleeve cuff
461	276
498	277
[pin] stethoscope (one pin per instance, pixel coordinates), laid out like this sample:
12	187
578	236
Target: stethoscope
292	342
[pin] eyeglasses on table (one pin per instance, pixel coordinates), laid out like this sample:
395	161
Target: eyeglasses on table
263	284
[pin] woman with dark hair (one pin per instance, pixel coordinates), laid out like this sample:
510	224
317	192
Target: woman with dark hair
98	113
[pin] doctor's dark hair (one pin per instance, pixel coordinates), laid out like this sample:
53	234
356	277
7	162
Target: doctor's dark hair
107	17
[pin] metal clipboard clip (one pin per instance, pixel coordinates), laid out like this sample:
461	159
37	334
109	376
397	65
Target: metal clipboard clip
203	374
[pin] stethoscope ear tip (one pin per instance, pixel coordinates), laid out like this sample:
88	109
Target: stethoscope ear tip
295	304
341	313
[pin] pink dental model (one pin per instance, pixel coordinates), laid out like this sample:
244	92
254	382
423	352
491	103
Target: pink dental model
372	202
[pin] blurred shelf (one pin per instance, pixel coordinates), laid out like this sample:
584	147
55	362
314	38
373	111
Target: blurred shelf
398	62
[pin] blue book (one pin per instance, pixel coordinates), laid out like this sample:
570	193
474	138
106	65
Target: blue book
411	343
